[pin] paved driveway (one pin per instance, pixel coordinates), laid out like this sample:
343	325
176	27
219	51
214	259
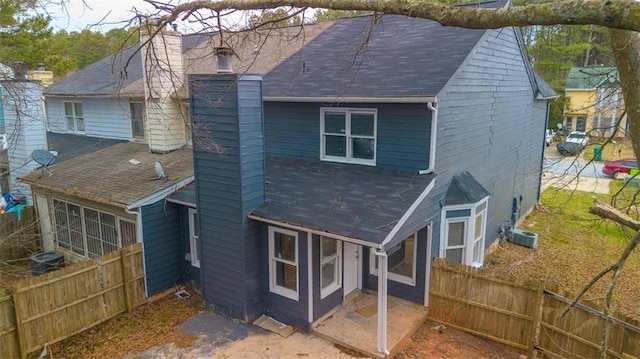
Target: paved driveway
219	337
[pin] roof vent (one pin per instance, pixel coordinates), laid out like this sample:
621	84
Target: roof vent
225	59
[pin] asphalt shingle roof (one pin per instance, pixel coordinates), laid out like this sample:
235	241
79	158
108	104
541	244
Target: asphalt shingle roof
545	90
464	189
108	176
71	146
185	196
403	57
359	202
588	78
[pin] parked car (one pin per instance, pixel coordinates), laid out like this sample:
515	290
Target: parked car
578	137
548	137
612	168
569	148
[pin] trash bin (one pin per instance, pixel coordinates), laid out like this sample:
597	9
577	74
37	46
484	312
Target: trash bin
46	262
597	153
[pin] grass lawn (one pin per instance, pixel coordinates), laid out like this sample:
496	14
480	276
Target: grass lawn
611	151
573	246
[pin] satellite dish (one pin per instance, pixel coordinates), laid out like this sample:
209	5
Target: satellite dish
44	158
559	125
159	170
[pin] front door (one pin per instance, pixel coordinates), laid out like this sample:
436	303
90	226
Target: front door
352	267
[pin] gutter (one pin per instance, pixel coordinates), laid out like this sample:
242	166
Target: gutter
433	107
138	215
334	99
382	301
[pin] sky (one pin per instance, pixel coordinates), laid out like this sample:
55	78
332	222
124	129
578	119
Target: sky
80	17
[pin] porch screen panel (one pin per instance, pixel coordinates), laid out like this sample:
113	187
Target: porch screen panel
92	226
62	224
75	228
127	232
109	233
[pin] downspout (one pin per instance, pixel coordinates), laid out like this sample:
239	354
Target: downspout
433	107
382	301
139	235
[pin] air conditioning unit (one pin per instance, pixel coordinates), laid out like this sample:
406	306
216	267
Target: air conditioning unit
523	238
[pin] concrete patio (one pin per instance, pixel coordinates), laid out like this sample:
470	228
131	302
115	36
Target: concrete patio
353	325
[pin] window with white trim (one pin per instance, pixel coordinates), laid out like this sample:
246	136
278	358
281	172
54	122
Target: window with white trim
348	135
402	261
330	265
463	233
136	110
283	263
90	232
74	117
194	238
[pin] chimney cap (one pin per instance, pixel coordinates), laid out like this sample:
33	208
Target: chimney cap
225	58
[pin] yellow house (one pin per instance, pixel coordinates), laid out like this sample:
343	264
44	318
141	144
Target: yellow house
594	102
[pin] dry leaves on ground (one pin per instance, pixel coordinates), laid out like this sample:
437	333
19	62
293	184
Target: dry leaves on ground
149	325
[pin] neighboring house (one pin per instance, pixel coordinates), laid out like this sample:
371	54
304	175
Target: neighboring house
22	125
109	126
343	168
594	102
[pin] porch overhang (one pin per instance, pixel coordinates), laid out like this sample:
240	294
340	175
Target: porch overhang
364	205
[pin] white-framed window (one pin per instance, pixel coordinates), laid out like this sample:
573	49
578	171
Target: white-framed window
136	110
89	232
330	265
74	117
463	233
283	263
186	117
348	135
402	261
194	237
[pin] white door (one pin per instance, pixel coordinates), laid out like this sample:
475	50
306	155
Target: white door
352	267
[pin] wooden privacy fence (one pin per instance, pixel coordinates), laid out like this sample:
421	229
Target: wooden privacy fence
524	316
60	304
18	237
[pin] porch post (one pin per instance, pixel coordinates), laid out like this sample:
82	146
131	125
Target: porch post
382	302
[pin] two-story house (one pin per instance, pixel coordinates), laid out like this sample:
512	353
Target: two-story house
594	102
349	167
339	157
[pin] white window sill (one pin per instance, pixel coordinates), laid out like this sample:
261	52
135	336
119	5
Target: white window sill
285	292
330	289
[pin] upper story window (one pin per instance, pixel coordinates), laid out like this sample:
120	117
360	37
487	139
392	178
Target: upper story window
348	135
137	120
74	117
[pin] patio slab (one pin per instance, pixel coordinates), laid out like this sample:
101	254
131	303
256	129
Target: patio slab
354	324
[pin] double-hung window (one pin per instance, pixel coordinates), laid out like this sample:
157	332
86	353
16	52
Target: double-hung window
194	235
136	110
401	261
330	273
283	263
464	228
348	135
74	117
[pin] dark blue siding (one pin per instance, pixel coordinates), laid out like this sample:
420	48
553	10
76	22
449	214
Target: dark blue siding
282	308
401	290
487	125
226	111
322	306
163	247
403	137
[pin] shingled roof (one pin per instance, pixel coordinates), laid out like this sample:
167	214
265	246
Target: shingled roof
359	202
108	175
587	78
399	57
257	51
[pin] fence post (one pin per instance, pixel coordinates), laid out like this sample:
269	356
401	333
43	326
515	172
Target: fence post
124	260
537	316
19	327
